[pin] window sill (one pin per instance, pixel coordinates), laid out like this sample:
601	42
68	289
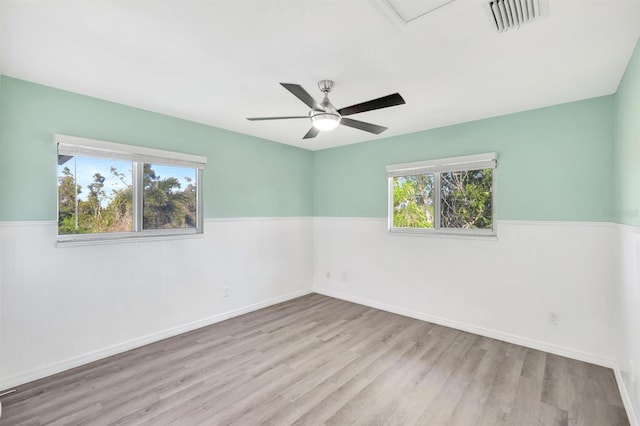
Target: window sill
123	239
480	236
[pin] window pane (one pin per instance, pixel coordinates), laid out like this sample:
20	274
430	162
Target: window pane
169	197
94	195
466	199
413	201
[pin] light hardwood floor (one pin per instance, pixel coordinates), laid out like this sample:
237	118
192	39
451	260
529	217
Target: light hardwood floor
317	360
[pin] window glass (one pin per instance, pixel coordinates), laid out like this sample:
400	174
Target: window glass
413	201
112	191
169	197
443	196
94	195
466	199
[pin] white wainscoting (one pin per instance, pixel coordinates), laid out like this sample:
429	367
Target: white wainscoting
629	318
505	288
63	307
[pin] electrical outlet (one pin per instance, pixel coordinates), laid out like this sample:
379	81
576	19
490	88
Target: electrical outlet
553	318
226	292
328	275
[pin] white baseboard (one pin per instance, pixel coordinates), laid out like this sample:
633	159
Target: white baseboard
482	331
39	373
626	398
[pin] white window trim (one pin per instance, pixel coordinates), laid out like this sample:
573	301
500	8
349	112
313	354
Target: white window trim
84	147
437	166
453	164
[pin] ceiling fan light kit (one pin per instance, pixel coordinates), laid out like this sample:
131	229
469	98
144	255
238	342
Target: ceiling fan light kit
325	120
325	117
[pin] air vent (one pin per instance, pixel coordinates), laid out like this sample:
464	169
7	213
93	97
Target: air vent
510	14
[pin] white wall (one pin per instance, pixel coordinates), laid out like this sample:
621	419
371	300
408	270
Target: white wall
504	288
62	307
629	312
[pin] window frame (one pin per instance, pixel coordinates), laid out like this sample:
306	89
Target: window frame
84	147
436	167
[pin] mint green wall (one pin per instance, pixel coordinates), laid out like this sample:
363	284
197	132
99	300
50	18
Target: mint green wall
626	161
245	176
553	164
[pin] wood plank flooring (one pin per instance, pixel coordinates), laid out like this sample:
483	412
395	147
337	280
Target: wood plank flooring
317	360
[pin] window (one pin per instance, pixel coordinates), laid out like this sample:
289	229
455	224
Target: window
451	195
112	191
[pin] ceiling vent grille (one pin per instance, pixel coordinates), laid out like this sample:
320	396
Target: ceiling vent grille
509	14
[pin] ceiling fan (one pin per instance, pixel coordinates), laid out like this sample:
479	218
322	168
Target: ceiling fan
324	116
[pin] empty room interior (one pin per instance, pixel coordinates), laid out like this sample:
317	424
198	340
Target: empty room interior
376	212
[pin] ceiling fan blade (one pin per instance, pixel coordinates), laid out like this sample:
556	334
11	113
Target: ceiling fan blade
276	118
367	127
303	95
312	133
383	102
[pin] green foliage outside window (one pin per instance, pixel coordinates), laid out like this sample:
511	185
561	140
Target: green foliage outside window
166	204
98	212
413	201
466	200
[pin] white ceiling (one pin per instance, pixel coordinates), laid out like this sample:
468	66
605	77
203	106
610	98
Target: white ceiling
219	61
